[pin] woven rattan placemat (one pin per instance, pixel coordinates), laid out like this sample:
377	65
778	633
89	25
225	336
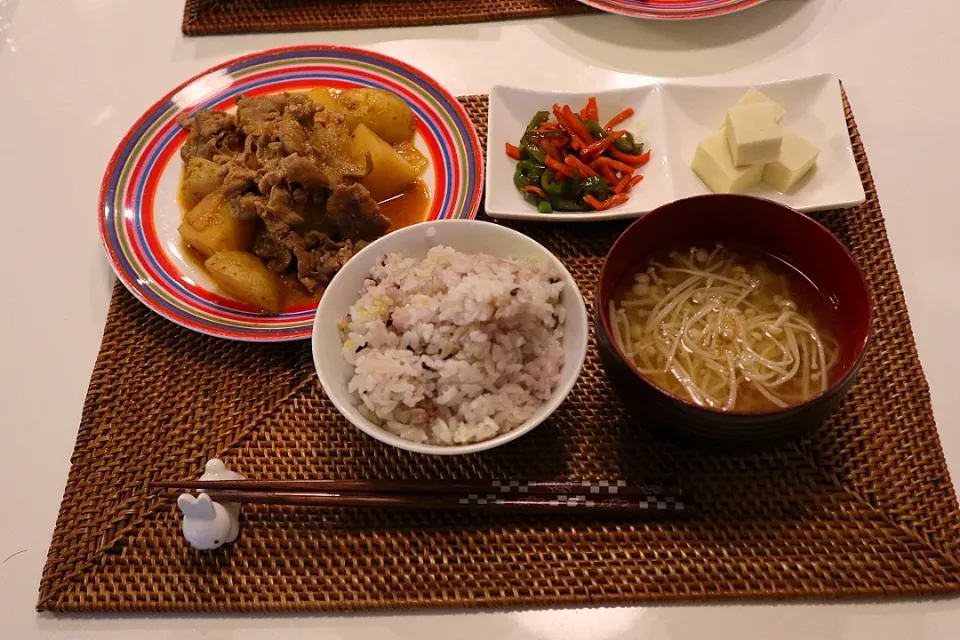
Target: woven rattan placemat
213	17
863	508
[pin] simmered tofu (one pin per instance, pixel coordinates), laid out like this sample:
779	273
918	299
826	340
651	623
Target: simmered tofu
754	97
713	163
797	158
753	133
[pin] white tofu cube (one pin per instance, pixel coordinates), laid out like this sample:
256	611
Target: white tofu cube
797	158
755	97
713	164
753	133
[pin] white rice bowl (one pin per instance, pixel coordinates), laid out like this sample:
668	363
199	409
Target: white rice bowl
457	338
455	348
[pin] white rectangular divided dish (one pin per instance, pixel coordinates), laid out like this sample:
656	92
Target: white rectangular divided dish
671	119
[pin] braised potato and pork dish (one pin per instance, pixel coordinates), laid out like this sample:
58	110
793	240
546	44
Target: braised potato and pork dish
280	195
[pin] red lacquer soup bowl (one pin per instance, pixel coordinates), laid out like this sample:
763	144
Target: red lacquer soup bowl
765	227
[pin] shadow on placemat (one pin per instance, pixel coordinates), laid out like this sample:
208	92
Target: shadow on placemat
864	507
213	17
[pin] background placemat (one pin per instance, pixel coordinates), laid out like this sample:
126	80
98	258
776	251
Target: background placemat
863	508
213	17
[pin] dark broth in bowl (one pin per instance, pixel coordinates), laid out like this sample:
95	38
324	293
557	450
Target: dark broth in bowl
727	328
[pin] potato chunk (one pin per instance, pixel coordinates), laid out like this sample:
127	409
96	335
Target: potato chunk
327	96
385	114
200	178
244	276
211	226
391	174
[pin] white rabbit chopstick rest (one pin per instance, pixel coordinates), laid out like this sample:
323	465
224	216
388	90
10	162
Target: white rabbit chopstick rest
207	524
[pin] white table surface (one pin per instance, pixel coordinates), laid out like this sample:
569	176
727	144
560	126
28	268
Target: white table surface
74	74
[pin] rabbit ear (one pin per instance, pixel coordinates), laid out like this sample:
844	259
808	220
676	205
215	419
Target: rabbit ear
200	507
215	465
215	469
186	501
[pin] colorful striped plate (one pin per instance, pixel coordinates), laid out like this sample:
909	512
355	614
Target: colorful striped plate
139	212
671	9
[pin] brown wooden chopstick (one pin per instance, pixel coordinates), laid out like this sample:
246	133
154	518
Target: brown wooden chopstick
586	496
634	506
509	487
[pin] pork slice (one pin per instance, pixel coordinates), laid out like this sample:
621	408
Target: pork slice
269	176
238	179
277	256
355	214
314	239
291	136
280	205
306	267
246	206
254	113
333	148
209	123
212	133
304	171
301	108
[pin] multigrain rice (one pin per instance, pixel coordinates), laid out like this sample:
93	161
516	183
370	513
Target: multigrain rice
454	348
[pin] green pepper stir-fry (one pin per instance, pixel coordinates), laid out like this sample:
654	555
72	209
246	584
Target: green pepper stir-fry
574	163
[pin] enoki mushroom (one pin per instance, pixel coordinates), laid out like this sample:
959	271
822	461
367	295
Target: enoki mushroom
725	335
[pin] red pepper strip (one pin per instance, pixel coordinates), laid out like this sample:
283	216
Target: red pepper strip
558	114
593	202
616	165
599	147
637	179
635	161
584	114
574	163
574	124
593	113
549	126
612	201
561	120
549	148
575	143
564	126
548	135
623	184
559	167
604	172
513	151
532	188
561	137
620	117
